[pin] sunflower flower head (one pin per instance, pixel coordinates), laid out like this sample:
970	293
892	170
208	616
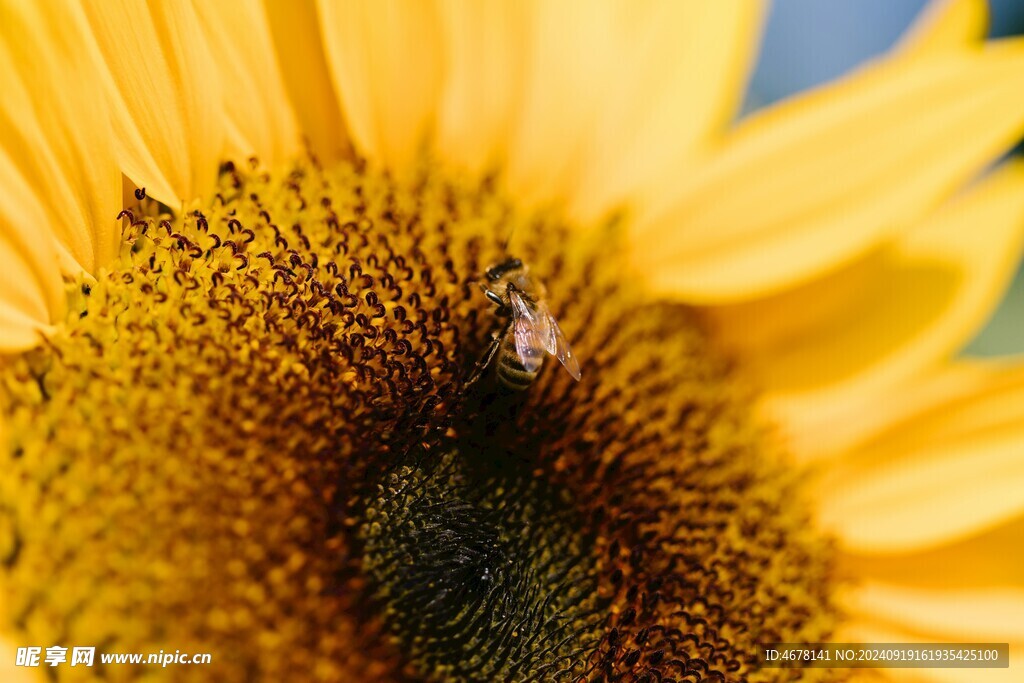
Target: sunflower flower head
280	380
237	416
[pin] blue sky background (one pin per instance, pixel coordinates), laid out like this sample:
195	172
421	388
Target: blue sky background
808	42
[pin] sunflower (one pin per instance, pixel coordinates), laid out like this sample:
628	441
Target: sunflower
242	246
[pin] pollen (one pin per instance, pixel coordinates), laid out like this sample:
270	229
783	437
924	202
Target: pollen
252	437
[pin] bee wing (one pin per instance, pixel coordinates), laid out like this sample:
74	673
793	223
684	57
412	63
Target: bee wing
557	345
530	329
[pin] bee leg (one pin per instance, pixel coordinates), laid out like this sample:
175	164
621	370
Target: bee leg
481	365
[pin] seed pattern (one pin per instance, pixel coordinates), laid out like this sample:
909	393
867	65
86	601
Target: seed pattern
251	438
483	571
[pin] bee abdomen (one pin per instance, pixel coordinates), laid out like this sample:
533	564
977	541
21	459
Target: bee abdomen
511	372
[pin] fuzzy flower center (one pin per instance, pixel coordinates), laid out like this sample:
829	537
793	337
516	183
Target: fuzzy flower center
253	437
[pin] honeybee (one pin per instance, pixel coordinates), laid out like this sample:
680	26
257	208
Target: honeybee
530	331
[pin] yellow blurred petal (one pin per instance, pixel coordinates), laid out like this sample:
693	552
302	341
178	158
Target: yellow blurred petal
257	105
18	674
484	74
992	558
992	615
829	348
31	289
616	94
10	672
296	32
812	183
937	477
565	60
946	24
166	96
57	127
674	78
841	425
386	61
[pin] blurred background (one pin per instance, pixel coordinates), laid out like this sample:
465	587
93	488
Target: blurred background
808	42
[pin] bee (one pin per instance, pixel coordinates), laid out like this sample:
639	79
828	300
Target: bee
529	332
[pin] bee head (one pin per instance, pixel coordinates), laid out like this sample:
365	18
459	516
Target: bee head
498	270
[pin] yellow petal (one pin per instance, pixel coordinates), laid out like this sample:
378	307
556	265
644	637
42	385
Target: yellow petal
18	674
31	290
842	425
484	69
940	476
565	59
992	615
829	348
57	127
946	24
166	97
385	60
673	79
296	31
812	183
10	672
617	98
260	115
992	558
